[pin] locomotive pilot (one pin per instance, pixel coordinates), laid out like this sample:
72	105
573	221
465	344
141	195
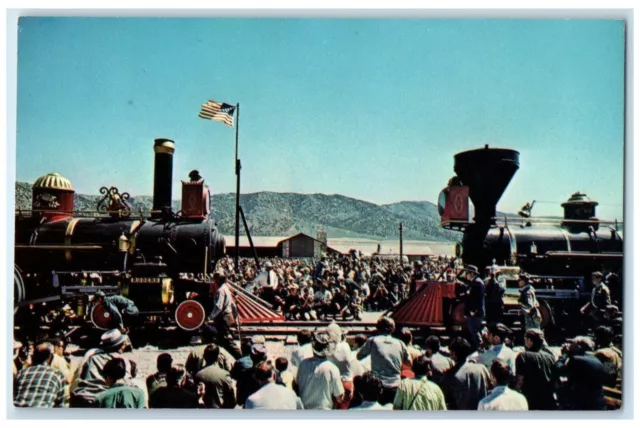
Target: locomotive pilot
529	303
222	315
120	308
600	299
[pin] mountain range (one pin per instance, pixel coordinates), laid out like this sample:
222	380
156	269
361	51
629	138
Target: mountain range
285	214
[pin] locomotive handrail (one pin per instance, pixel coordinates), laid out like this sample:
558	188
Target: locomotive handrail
544	221
18	211
60	247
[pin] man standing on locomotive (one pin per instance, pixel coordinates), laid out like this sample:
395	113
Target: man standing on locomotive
120	308
529	304
600	299
474	305
222	314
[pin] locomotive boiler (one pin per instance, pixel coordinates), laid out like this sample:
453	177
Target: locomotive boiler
155	258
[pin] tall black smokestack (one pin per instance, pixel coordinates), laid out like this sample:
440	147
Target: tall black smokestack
487	172
163	174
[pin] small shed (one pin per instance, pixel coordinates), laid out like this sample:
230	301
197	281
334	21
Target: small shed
300	246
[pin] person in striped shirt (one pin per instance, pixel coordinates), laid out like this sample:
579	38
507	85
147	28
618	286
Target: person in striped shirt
419	393
39	385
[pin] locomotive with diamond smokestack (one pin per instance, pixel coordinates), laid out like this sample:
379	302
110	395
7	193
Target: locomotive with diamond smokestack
156	258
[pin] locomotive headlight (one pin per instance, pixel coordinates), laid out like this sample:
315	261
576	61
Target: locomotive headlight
123	243
167	291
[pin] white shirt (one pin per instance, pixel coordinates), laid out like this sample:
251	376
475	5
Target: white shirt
322	296
318	382
364	364
223	303
504	398
273	397
371	405
272	280
300	353
495	352
342	359
365	290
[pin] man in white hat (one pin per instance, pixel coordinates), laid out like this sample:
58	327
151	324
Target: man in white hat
318	380
90	375
343	359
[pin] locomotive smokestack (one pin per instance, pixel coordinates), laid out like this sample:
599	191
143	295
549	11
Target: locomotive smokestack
163	174
487	172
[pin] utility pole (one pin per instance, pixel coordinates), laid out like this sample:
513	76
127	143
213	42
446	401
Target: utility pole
401	261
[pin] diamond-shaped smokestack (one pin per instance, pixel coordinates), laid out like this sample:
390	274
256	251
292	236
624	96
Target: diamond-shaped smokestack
487	172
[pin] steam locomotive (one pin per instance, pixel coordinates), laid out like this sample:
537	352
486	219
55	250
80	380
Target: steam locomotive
560	255
158	259
576	245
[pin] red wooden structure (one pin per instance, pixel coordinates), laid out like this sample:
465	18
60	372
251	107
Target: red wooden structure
425	307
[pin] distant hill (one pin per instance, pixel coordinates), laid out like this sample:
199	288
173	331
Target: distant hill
283	214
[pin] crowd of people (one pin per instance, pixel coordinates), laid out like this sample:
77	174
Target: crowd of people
480	370
325	371
336	286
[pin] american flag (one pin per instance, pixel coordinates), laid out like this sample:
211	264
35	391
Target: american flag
221	112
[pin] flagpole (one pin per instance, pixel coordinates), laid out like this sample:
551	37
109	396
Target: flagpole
238	167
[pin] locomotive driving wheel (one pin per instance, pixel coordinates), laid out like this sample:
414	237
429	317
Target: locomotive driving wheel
190	315
18	286
100	316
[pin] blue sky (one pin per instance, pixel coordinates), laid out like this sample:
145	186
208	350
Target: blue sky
372	109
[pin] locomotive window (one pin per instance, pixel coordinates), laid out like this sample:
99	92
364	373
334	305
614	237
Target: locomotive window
442	201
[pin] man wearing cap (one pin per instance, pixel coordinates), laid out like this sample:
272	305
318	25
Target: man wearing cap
496	335
474	305
600	299
318	381
120	308
271	284
90	375
222	314
243	373
388	355
528	303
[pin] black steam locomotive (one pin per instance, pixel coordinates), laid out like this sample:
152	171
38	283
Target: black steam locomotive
562	253
156	258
